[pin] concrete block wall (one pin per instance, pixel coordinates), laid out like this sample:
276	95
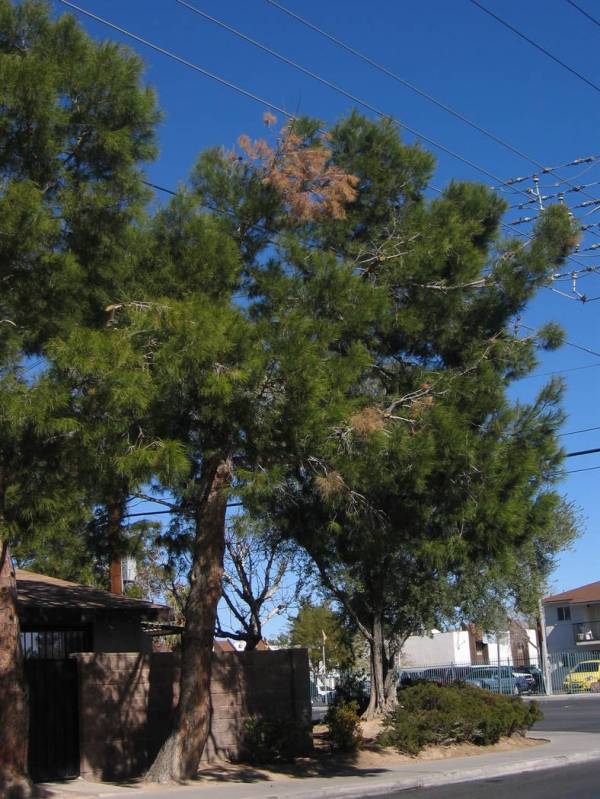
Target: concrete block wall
126	704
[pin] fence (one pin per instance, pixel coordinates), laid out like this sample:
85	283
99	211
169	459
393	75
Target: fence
572	671
322	687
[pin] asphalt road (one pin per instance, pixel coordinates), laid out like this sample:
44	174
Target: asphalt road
571	714
570	782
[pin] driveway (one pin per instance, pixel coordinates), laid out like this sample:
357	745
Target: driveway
570	714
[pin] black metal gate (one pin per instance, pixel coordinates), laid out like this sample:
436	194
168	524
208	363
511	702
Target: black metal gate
53	719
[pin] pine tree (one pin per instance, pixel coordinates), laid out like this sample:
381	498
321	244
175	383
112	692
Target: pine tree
433	466
248	361
75	125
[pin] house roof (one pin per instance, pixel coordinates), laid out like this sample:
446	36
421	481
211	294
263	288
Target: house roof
38	591
585	593
223	645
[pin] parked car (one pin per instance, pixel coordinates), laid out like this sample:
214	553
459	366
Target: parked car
320	695
460	673
441	675
407	676
582	677
537	674
510	682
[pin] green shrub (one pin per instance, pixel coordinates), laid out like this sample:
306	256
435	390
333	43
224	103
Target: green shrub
431	714
269	740
343	721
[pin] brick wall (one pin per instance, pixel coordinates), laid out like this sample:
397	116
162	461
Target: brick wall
126	703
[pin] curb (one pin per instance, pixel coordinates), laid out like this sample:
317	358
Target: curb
445	777
364	788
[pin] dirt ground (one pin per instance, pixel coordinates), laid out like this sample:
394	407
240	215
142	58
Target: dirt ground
371	758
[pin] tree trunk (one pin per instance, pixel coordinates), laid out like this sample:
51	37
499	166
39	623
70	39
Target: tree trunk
14	710
115	510
179	757
383	688
254	631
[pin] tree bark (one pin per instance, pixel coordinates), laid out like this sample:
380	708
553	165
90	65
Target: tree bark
383	697
115	510
179	757
14	709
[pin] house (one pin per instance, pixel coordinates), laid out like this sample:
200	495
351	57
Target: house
573	619
58	617
101	701
227	645
469	646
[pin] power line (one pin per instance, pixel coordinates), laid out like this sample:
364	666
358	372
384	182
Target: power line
569	343
156	187
394	75
561	371
583	430
587	469
184	61
536	45
588	159
581	11
430	98
347	94
364	103
285	113
582	269
582	452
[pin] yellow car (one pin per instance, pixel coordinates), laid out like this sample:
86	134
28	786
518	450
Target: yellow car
583	676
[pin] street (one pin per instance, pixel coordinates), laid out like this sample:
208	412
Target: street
570	782
570	714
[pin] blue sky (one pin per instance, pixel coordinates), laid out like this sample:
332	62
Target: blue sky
455	52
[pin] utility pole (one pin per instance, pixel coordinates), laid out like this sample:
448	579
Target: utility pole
498	660
544	648
548	187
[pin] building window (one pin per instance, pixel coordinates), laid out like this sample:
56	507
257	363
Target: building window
564	613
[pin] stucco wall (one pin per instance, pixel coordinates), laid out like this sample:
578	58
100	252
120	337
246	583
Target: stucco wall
559	634
127	700
438	649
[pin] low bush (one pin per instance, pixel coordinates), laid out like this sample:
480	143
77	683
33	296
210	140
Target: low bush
432	714
343	721
269	740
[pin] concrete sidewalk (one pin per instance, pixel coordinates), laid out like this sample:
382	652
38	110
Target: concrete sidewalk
564	748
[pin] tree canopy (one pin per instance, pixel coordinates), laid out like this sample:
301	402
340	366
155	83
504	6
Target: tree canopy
301	329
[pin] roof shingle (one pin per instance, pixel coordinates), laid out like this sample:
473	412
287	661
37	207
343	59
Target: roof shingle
585	593
51	593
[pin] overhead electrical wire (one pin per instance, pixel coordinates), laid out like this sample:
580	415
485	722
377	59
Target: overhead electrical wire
537	46
548	170
399	79
430	98
582	452
576	432
561	371
285	113
568	343
278	108
345	93
587	469
584	12
356	99
207	74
